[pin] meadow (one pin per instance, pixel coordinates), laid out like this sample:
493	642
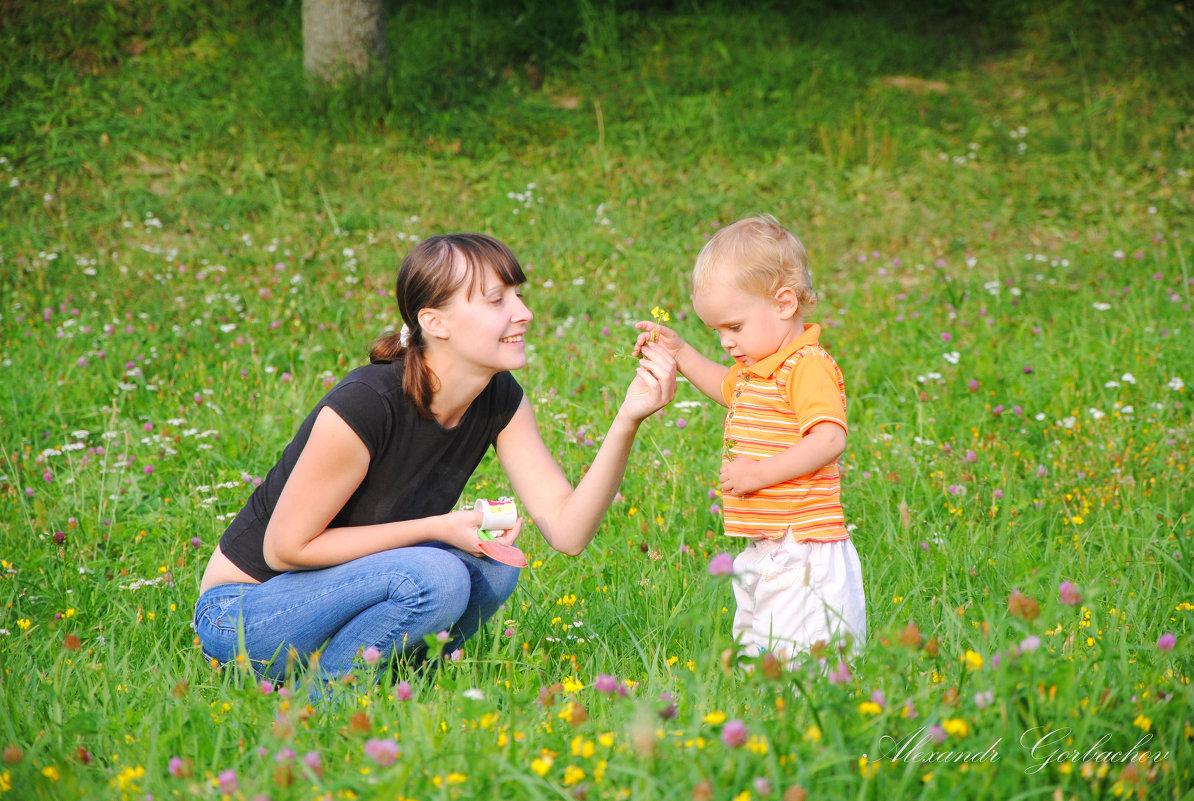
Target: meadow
195	245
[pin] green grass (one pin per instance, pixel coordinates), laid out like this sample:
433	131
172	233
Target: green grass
193	246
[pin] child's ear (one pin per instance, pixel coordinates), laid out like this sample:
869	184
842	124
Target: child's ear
432	323
787	305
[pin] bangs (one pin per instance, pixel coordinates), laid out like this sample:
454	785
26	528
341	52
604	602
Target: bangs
481	253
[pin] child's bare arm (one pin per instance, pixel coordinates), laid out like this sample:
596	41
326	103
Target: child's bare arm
822	444
702	372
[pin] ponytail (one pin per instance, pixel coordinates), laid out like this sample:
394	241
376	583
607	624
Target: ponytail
406	354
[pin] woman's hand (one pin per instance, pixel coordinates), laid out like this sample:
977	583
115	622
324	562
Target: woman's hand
461	529
654	383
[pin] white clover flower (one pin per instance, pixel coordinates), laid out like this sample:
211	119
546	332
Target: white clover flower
1111	385
1097	414
474	693
1068	422
952	357
1101	306
1176	384
1128	378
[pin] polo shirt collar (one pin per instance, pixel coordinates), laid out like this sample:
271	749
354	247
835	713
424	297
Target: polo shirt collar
765	367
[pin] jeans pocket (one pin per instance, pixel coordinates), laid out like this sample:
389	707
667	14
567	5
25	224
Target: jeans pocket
221	613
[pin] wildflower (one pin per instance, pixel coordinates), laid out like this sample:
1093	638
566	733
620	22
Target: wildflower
1167	642
371	655
402	691
383	752
973	660
762	786
226	782
1023	607
840	674
733	734
984	699
311	760
714	718
909	710
1029	644
681	422
721	565
266	687
1176	384
606	683
1070	596
870	708
956	727
179	768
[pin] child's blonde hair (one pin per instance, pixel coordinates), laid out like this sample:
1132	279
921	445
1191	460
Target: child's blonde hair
763	256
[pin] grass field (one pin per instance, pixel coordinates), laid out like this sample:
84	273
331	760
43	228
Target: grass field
194	247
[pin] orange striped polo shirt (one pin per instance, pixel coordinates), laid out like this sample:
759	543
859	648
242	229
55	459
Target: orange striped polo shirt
772	404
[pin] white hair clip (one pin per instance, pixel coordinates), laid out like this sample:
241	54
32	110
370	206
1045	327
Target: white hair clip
404	336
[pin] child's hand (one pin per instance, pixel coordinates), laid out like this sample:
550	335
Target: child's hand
741	476
654	333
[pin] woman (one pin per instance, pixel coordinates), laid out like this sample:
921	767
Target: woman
351	543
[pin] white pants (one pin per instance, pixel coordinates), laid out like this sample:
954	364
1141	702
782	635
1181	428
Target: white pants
792	594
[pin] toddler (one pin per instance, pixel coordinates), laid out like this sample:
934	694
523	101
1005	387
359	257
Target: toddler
798	581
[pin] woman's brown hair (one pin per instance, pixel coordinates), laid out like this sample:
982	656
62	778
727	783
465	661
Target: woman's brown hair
427	279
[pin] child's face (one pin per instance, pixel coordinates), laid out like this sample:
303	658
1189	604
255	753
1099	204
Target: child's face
751	327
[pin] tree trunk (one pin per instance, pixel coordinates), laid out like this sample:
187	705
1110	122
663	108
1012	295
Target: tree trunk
343	37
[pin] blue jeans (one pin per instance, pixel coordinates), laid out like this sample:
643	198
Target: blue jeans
389	600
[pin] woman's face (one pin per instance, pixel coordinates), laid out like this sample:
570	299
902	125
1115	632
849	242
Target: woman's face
486	323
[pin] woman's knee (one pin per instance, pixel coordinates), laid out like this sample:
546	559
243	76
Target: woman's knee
500	583
428	578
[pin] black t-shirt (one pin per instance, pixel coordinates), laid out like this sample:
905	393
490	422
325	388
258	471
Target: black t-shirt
417	468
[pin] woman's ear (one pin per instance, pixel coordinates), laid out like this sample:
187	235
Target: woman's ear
787	305
432	323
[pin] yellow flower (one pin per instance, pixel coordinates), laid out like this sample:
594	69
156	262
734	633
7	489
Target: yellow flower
756	745
869	708
743	796
541	765
24	623
573	774
956	726
867	768
812	734
1143	721
973	660
606	739
5	777
660	314
50	772
582	747
715	718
